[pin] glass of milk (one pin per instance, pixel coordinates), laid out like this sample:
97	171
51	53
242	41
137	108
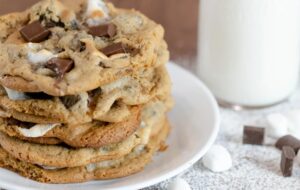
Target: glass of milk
249	50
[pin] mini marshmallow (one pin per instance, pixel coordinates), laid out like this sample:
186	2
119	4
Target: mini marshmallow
97	12
294	118
179	184
217	159
40	57
298	157
15	95
38	130
33	46
91	167
278	125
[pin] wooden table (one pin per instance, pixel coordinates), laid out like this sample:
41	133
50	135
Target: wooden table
179	17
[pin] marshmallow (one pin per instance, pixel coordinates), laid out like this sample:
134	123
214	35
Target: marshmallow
278	125
15	95
298	157
217	159
97	12
49	167
179	184
38	130
40	57
91	167
33	46
294	119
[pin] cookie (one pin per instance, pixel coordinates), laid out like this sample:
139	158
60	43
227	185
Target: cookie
70	60
93	135
110	103
59	156
130	164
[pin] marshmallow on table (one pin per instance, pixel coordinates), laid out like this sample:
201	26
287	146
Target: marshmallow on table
278	125
217	159
179	184
298	157
294	118
283	124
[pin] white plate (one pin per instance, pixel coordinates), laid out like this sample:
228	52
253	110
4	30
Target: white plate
195	123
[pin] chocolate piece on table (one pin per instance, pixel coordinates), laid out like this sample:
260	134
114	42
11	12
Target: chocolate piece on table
114	49
287	160
288	140
60	66
253	135
108	30
35	32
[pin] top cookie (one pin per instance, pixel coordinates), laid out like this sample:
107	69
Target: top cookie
64	48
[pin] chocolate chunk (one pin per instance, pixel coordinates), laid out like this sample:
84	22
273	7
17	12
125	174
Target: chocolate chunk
114	49
253	135
51	24
15	122
108	30
93	96
288	140
82	47
38	96
60	66
287	160
69	101
35	32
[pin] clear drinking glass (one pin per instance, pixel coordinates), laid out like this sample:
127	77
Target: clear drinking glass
249	50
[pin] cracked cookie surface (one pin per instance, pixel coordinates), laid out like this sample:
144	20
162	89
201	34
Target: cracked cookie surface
70	39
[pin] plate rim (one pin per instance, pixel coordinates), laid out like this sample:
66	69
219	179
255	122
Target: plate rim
181	168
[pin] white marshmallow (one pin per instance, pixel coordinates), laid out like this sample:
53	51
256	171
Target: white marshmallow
49	167
298	157
33	46
91	167
179	184
94	7
40	57
294	118
278	125
37	130
217	159
15	95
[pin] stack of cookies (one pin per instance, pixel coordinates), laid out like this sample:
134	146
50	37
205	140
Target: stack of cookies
84	91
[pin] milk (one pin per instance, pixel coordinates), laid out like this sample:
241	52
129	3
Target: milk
249	49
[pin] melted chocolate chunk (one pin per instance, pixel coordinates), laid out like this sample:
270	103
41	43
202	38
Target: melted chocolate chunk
39	96
35	32
253	135
107	30
287	160
69	101
51	24
93	95
12	121
114	49
60	66
82	47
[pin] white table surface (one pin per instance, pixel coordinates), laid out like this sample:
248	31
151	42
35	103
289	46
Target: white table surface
254	167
